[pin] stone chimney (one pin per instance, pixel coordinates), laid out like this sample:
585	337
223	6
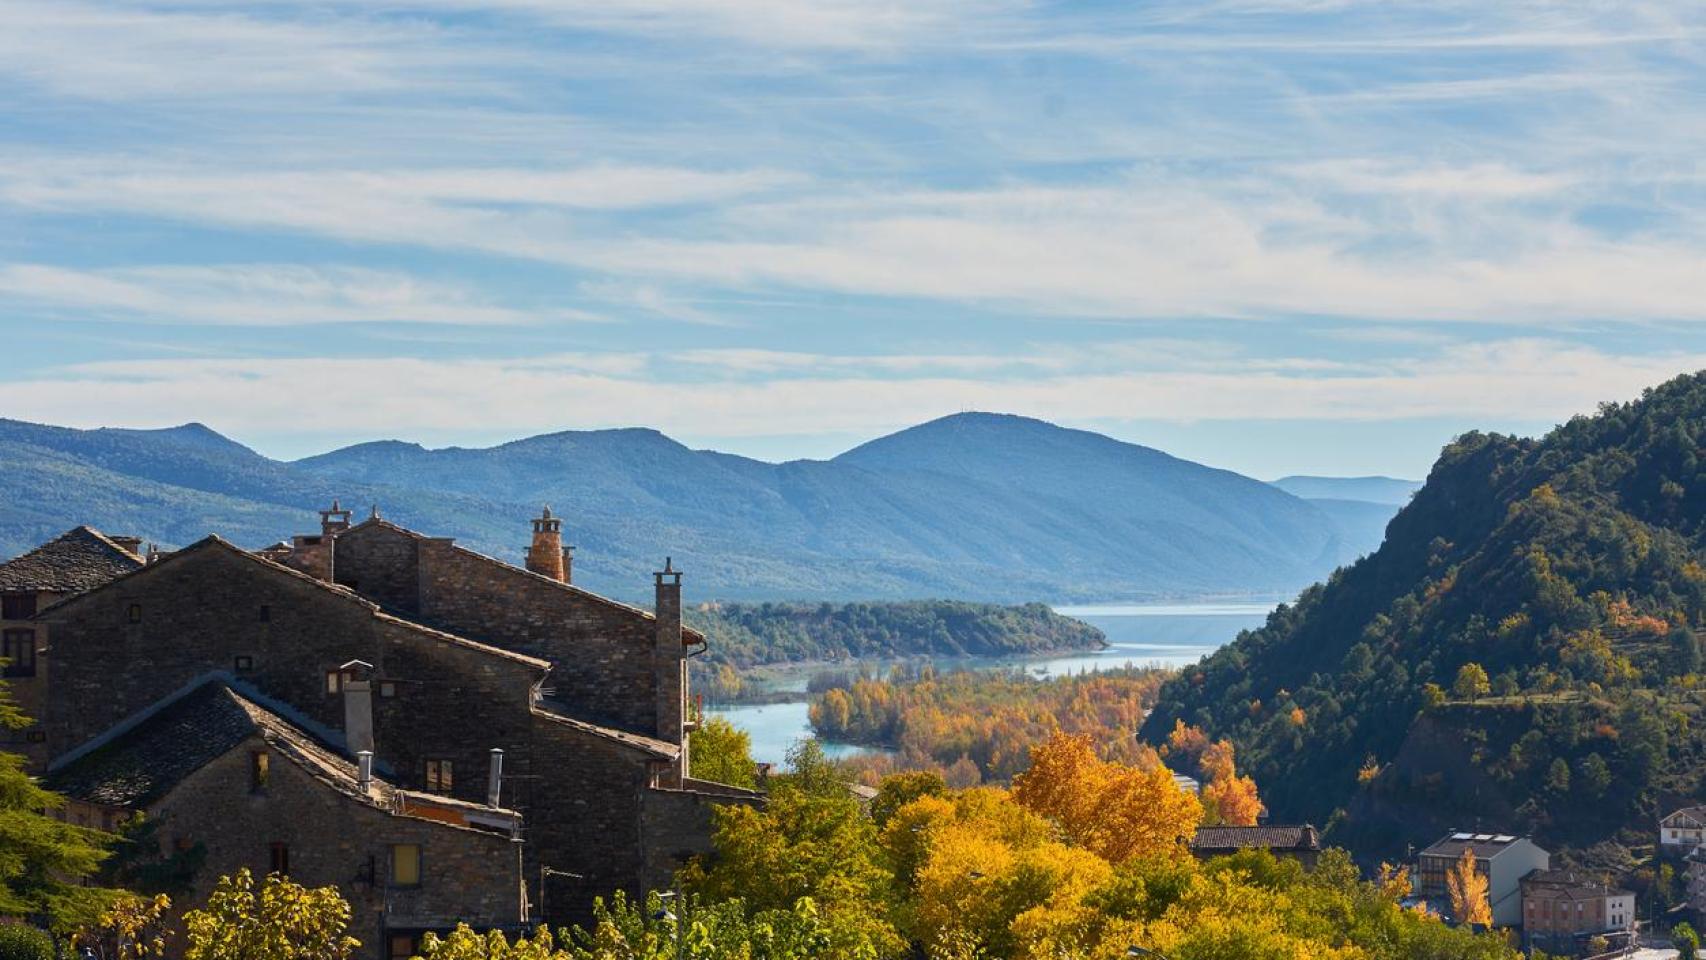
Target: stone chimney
546	556
356	677
670	662
335	520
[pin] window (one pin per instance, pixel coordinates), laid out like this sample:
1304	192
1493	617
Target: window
334	682
402	946
133	613
260	771
439	776
280	861
265	614
19	649
36	736
244	663
387	689
406	865
17	606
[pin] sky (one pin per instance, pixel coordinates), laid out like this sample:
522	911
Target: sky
1278	236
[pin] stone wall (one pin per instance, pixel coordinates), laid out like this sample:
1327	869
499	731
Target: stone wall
676	825
382	564
199	614
601	651
335	839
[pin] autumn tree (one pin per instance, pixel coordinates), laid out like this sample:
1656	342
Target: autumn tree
721	752
278	920
132	928
1471	682
1227	797
811	841
1686	941
1468	889
1115	811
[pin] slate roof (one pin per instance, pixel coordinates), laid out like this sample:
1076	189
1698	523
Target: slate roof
559	713
81	559
1304	837
144	763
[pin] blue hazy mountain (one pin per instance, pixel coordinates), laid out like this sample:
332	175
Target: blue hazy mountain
1387	490
978	506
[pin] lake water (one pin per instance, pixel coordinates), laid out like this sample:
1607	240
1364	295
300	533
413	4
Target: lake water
1138	635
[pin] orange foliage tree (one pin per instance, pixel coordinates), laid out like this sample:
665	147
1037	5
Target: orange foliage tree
1115	811
1227	797
1468	889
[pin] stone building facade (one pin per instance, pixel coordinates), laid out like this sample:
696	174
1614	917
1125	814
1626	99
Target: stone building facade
456	655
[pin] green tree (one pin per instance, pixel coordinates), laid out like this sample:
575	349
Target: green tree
1593	775
722	752
19	942
725	930
1684	652
1471	682
465	944
279	920
44	861
810	841
1558	776
1686	941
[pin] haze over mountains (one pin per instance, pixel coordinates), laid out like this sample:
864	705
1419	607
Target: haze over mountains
976	506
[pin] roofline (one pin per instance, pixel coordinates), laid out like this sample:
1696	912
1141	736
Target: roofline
579	591
98	535
638	743
213	540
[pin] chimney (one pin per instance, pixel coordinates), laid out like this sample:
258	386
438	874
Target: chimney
495	779
546	556
568	564
670	663
356	677
364	771
333	521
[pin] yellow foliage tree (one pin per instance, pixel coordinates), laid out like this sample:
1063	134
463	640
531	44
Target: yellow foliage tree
1468	889
1114	811
1227	797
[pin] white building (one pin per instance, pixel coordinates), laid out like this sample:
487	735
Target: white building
1504	859
1682	830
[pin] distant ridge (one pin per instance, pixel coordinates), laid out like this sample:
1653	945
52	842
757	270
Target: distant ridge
976	506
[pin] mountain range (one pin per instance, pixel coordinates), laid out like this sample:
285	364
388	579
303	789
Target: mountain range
976	506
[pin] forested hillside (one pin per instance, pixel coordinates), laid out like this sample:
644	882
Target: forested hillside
1521	653
744	634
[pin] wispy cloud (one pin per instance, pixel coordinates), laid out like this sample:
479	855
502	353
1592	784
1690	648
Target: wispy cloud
1527	379
254	295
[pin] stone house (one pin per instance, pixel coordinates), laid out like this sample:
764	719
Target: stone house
457	654
226	781
1695	874
1300	843
79	560
1504	859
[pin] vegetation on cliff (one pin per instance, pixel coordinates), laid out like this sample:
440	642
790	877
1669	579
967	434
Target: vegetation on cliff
1521	652
744	634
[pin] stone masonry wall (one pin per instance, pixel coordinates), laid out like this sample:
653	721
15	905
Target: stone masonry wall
382	564
335	839
601	652
200	612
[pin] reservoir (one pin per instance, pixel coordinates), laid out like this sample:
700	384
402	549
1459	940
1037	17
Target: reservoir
1170	635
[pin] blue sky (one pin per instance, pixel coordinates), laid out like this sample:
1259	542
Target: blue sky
1273	235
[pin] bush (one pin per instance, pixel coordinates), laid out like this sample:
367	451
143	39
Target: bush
19	942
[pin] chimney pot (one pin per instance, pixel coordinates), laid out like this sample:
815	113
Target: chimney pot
364	771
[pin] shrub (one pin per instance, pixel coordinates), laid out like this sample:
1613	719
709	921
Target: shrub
18	942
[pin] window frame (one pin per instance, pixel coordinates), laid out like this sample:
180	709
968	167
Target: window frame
278	854
25	640
396	882
19	606
260	770
439	776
